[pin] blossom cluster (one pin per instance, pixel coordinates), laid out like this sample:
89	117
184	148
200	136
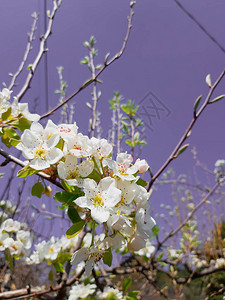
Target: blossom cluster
14	239
109	192
15	108
103	190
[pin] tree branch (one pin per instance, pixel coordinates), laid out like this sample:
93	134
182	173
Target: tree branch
173	155
106	64
42	50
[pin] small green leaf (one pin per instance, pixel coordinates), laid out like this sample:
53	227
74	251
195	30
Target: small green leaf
107	257
50	275
155	230
37	190
6	114
26	171
133	295
141	182
86	44
64	257
65	197
73	214
197	101
92	41
129	142
106	58
95	175
217	99
181	150
160	256
71	189
21	123
59	267
85	60
29	67
126	284
75	229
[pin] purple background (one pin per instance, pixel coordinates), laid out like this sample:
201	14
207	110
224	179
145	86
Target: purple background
167	54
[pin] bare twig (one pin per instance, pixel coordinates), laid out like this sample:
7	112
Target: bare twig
190	215
187	132
106	64
22	164
42	50
27	51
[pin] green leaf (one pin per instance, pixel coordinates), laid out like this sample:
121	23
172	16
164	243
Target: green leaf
92	41
75	229
71	189
85	60
141	182
217	99
106	58
160	256
59	267
133	295
107	257
86	44
181	150
37	190
6	114
95	175
73	214
129	142
10	137
64	257
65	197
197	101
111	296
21	123
26	171
121	136
50	275
126	284
155	230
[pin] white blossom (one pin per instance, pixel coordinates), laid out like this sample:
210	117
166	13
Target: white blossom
99	198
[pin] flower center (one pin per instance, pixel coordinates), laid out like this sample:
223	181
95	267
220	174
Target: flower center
50	250
77	147
40	153
122	169
96	256
98	201
122	202
73	174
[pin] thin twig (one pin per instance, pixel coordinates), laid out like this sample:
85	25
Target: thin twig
22	164
187	132
42	50
190	215
106	64
27	51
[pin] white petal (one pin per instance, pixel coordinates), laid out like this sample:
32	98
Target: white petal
79	255
37	127
39	164
54	155
83	202
100	214
89	266
30	139
53	140
85	168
